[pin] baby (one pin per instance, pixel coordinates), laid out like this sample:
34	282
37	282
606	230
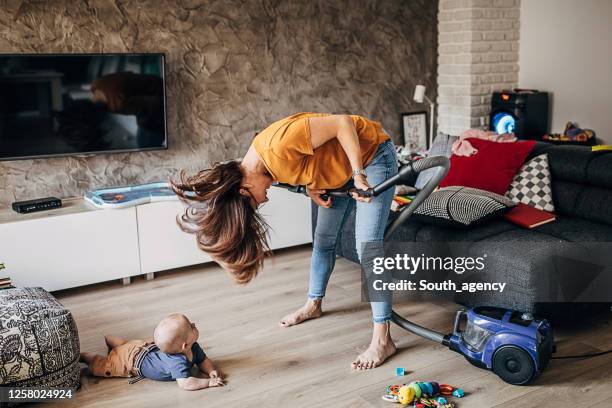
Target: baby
171	357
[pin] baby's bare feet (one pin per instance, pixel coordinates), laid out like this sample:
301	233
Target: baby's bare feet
311	310
86	357
113	341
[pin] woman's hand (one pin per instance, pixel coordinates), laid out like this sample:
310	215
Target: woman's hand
316	197
361	183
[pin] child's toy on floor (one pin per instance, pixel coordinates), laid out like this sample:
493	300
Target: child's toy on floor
399	371
421	394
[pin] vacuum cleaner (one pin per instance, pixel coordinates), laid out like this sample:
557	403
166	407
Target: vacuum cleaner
514	345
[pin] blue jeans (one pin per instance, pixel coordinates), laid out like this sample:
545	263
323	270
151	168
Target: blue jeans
371	220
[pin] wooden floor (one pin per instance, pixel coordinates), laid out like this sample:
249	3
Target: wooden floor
308	365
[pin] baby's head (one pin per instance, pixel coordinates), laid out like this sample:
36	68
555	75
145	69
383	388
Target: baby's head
175	334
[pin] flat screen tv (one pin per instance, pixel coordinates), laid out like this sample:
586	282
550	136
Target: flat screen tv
80	104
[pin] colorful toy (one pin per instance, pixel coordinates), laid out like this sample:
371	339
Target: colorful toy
417	389
406	395
399	371
423	394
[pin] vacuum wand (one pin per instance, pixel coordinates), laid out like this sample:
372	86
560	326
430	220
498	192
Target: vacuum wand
403	176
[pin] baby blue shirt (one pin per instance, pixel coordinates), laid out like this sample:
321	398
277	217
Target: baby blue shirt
168	367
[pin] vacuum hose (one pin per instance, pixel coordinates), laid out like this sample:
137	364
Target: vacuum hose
442	164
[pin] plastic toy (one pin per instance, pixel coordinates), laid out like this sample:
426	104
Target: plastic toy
121	197
416	388
422	394
405	395
399	371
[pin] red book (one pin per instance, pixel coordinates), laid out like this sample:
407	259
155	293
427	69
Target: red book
528	217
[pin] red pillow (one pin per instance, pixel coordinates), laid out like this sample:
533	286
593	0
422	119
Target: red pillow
491	169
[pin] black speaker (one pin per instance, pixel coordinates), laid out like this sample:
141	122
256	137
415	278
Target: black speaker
523	112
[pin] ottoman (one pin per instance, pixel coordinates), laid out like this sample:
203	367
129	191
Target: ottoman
39	342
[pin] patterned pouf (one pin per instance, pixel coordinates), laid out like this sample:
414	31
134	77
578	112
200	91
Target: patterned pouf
39	341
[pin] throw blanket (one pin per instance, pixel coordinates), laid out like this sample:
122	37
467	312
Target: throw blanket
463	147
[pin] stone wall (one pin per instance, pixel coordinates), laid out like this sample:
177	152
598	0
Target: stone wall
478	54
232	67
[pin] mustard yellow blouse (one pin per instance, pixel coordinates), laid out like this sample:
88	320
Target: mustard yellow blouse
286	150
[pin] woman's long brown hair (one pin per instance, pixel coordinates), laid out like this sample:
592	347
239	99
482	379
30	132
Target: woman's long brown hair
225	224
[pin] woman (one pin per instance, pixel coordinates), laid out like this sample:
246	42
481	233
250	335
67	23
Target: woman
319	151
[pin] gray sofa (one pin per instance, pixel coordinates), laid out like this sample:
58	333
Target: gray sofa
582	193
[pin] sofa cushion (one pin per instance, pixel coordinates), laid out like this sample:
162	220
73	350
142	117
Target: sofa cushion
532	185
461	207
577	230
582	201
514	259
492	168
581	181
580	165
418	231
39	342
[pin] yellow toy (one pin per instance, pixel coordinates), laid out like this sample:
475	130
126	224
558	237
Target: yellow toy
405	395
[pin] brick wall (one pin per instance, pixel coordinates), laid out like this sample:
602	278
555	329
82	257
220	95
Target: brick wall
477	54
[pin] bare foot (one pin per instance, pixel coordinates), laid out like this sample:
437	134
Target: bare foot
86	357
381	348
310	310
113	341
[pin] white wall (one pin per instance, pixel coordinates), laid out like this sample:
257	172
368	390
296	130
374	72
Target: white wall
566	48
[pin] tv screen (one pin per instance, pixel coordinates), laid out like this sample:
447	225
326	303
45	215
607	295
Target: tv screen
69	104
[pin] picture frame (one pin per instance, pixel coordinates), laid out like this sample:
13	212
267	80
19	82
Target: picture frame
414	131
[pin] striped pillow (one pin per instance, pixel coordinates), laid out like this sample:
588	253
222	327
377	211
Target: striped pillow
461	207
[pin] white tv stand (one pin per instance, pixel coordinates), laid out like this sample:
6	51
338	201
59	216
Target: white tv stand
78	244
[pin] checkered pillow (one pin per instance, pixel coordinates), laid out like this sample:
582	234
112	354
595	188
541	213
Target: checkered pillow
461	207
531	185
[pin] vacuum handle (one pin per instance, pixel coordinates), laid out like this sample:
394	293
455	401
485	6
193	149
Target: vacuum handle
458	316
343	193
441	163
403	176
329	193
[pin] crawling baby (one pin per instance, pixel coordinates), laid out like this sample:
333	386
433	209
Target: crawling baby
170	357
